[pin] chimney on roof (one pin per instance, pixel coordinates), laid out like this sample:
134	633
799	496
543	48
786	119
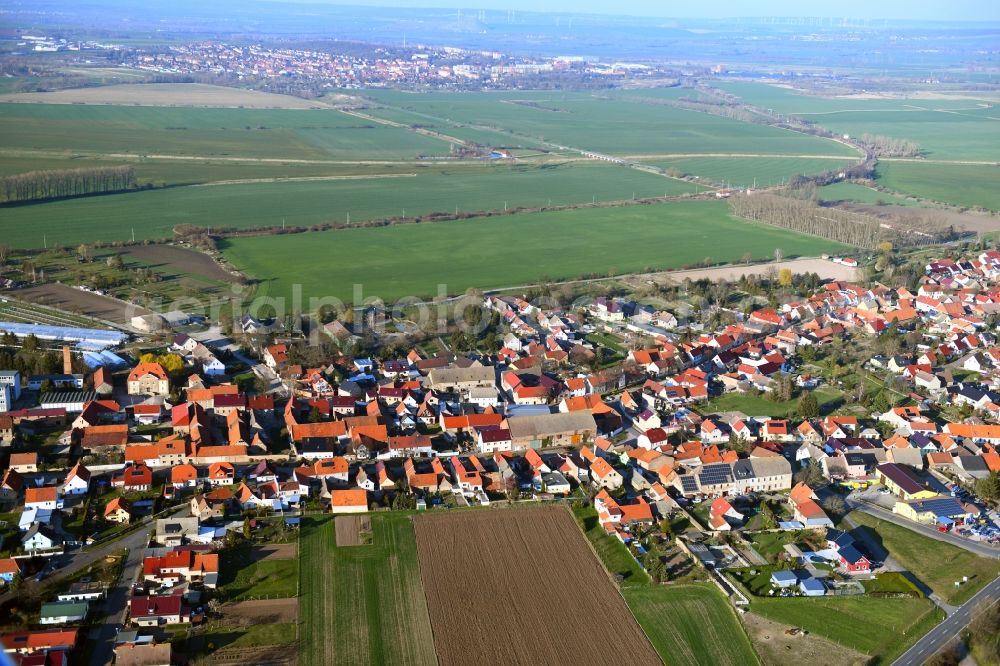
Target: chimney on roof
67	361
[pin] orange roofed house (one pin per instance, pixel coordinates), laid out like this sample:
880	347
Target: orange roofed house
354	500
148	379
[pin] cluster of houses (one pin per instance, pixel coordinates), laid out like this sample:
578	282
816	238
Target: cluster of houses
529	419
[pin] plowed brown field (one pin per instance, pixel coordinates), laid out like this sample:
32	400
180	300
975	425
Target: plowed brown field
522	586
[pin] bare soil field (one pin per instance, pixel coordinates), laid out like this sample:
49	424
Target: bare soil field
349	529
167	94
268	655
74	300
260	611
825	268
508	574
969	221
776	648
275	551
180	259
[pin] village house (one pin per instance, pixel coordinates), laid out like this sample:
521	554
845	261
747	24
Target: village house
148	379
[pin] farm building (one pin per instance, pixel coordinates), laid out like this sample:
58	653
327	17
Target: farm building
89	338
903	482
551	429
941	510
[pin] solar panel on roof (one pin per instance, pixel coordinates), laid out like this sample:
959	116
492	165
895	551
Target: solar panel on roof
689	484
715	474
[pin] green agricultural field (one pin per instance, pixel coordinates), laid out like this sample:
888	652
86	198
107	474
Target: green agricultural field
606	123
244	576
154	213
952	129
159	172
746	171
506	251
690	625
859	193
363	604
935	563
883	627
258	133
970	185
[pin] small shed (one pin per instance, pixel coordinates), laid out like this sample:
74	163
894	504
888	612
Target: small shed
784	579
812	587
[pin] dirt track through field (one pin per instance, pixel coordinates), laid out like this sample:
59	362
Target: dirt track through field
522	586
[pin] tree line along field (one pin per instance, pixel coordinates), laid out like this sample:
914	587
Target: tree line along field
508	251
762	171
153	213
609	124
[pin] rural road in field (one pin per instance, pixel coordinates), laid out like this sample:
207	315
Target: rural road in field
938	637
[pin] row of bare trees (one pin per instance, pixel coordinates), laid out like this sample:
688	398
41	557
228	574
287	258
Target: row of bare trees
806	217
41	185
887	146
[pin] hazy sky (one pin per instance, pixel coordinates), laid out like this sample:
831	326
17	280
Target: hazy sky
968	10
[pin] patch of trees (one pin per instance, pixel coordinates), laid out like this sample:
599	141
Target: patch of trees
805	217
41	185
887	146
195	236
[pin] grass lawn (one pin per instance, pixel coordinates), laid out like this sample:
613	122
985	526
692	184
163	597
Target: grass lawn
690	625
613	553
243	578
891	582
829	399
770	544
881	627
416	259
254	635
610	341
936	563
363	604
